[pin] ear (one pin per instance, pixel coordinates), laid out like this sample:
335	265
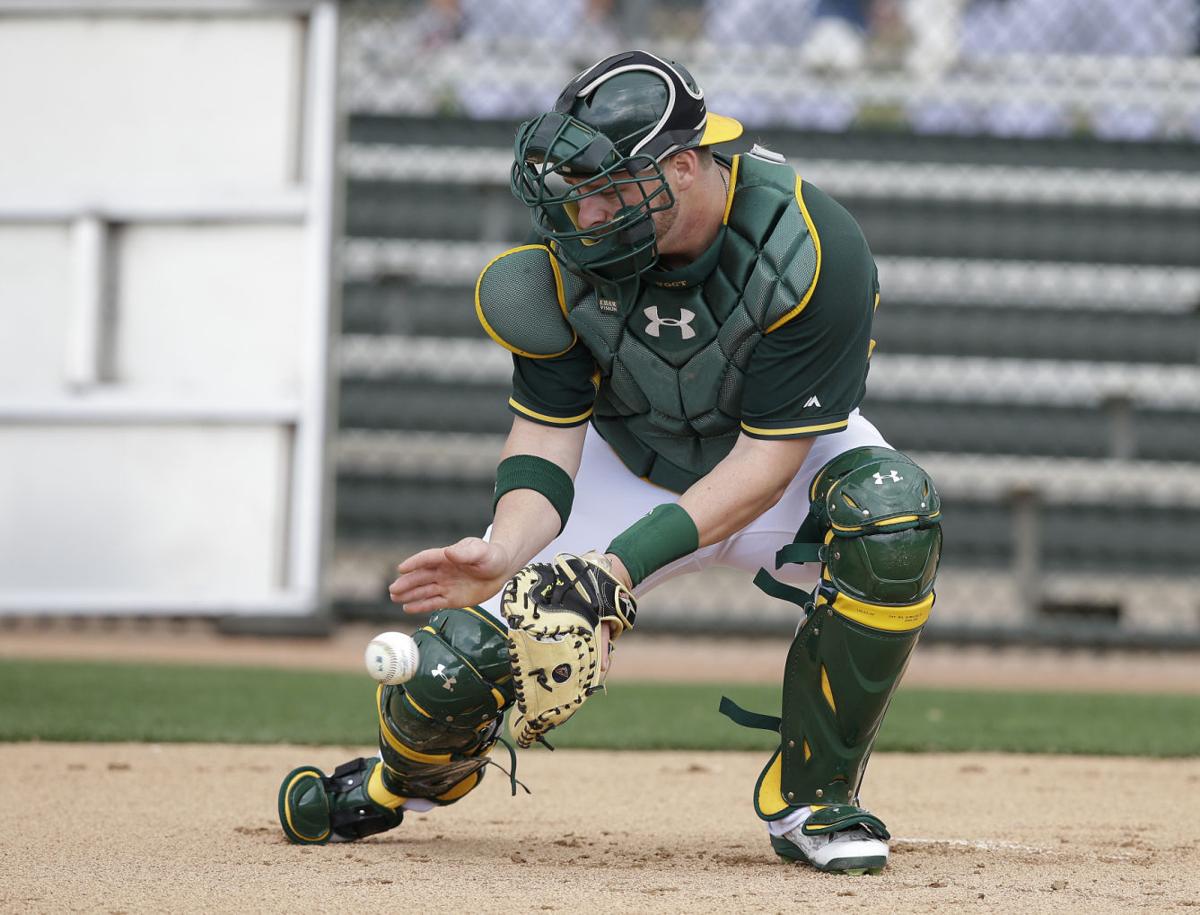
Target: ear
684	169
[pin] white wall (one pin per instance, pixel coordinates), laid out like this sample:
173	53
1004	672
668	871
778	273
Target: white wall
105	102
35	290
163	217
191	511
211	310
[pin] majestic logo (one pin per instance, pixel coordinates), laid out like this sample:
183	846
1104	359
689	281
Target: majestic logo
812	402
440	671
892	477
683	322
608	305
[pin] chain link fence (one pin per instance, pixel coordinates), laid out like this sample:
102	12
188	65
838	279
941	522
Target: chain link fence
1025	171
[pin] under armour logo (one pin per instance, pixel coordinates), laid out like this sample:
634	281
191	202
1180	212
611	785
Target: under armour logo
440	671
812	402
683	322
892	477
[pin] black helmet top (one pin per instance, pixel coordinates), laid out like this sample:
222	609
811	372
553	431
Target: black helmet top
645	105
609	131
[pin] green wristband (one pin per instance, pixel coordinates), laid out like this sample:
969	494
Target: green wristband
528	471
666	534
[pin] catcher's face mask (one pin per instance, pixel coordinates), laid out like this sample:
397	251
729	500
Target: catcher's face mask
555	147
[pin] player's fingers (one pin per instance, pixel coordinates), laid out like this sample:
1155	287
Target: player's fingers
468	552
400	590
421	560
428	605
410	580
425	592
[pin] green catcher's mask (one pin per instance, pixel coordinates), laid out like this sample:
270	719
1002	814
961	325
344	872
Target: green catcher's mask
555	146
609	131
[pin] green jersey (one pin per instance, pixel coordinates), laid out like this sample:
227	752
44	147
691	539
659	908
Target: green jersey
767	333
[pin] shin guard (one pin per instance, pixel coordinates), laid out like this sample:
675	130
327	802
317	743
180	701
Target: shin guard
874	524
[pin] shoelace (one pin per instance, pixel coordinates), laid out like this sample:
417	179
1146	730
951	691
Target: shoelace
512	771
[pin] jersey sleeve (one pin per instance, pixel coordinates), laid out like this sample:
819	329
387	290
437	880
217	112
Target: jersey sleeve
554	392
807	376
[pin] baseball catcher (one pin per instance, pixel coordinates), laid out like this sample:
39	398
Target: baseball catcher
691	337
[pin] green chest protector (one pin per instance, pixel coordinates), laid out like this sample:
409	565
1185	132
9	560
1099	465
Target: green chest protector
672	348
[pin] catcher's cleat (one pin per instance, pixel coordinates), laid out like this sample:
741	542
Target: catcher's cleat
315	808
851	849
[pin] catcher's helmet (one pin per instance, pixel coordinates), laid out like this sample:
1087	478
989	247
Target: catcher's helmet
613	124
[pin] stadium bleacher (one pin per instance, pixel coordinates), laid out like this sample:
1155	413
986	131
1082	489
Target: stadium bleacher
1039	336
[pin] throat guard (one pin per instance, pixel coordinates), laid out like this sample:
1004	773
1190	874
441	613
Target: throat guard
874	524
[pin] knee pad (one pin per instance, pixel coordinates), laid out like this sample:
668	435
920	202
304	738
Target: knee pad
874	525
436	731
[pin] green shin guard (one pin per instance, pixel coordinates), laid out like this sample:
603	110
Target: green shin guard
838	682
874	526
437	730
315	808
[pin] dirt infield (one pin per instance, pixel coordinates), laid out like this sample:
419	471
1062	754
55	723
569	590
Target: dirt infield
125	828
128	827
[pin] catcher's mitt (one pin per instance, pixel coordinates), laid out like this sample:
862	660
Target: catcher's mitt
554	612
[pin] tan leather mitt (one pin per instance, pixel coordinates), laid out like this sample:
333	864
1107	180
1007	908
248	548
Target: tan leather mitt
554	612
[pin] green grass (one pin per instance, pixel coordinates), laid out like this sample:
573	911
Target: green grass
128	702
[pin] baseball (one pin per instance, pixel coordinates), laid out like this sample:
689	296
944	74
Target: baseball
392	657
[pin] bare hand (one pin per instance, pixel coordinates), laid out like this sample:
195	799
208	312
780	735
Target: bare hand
461	575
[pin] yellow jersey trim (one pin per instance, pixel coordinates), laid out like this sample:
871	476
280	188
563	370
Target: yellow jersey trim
558	291
733	171
812	231
794	430
554	420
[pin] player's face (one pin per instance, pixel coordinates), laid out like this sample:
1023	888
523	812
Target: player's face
596	209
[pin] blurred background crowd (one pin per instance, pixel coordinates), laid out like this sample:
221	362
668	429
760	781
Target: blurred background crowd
753	50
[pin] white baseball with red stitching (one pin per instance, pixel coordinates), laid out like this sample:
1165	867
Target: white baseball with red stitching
392	658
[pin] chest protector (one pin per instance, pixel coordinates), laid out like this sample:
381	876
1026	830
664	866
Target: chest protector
673	347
